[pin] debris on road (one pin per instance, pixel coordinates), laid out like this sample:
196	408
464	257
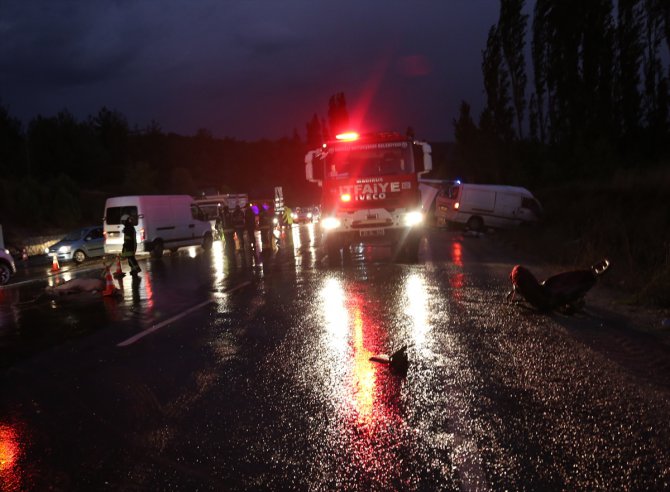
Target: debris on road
564	291
397	361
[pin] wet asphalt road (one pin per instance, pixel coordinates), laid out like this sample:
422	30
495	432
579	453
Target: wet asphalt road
214	373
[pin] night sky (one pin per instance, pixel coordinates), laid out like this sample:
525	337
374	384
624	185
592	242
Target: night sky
246	69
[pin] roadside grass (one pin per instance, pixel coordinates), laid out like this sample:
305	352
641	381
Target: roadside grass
625	218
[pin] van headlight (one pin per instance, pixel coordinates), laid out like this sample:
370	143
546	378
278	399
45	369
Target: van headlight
413	218
330	223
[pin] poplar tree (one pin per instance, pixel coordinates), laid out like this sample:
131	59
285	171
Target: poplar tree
512	28
338	116
314	132
498	113
629	56
538	99
655	83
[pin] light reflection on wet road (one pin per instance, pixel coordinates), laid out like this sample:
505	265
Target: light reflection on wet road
270	386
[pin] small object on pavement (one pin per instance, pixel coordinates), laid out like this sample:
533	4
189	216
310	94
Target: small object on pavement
397	361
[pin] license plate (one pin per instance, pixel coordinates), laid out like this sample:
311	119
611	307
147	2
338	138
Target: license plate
372	232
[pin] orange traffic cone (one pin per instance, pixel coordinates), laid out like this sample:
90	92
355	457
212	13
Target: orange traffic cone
54	264
118	274
110	289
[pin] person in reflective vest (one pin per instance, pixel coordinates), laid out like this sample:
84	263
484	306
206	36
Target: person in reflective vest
130	245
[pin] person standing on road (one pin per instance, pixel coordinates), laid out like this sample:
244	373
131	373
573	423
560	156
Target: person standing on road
250	226
130	245
228	229
238	224
265	225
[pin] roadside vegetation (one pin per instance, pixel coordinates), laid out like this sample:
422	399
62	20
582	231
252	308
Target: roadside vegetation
623	218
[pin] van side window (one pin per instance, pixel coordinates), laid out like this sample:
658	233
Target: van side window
196	213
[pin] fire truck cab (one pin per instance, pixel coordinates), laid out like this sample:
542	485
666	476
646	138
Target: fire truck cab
370	191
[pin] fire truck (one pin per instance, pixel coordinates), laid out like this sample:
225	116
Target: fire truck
370	191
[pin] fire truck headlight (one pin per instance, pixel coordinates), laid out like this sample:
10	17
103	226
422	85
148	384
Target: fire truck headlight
330	223
294	216
275	221
413	218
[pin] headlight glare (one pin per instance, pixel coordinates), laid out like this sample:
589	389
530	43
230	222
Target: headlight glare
330	223
413	218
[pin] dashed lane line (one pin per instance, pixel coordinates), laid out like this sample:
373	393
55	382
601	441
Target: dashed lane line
160	325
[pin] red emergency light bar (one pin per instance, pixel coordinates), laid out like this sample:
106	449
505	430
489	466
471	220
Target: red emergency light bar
347	137
342	138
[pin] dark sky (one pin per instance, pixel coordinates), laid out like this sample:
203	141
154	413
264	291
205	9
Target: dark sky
246	69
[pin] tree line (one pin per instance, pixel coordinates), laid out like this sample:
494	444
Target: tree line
58	171
598	98
579	90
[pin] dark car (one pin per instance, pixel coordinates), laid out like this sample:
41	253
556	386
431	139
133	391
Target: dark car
79	245
7	266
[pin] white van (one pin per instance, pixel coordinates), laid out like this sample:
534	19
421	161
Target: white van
161	221
479	206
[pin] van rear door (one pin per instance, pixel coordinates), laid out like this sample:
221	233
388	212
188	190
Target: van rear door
113	227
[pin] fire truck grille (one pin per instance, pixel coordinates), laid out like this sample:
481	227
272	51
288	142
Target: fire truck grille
359	224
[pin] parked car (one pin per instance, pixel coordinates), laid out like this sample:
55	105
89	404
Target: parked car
7	266
79	245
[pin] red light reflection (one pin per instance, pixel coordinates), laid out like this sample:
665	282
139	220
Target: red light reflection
10	450
149	292
457	254
364	375
373	397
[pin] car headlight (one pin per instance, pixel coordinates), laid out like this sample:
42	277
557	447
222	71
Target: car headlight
413	218
330	223
64	249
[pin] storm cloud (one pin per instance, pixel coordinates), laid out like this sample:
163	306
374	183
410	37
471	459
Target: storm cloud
249	70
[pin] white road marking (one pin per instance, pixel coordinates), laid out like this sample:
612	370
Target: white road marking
160	325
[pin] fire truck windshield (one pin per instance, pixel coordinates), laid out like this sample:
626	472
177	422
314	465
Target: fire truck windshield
369	160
